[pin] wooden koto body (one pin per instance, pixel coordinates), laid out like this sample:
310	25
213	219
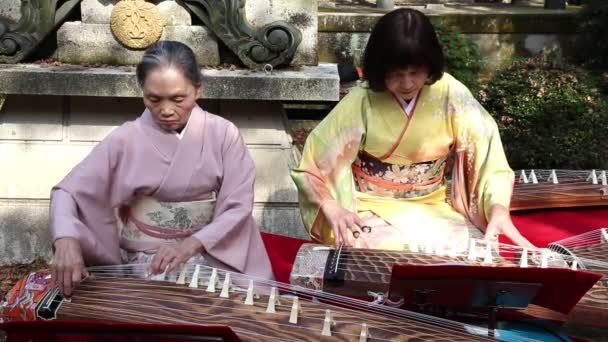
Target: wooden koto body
541	189
363	273
538	189
204	296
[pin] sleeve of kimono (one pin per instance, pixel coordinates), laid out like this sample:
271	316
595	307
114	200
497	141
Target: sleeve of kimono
482	176
82	202
232	223
325	172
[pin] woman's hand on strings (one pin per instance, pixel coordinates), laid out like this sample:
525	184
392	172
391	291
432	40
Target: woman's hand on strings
500	223
67	267
346	225
169	256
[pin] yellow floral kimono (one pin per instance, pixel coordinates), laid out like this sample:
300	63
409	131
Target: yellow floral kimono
373	159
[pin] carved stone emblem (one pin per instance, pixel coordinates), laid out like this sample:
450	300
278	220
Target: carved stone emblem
136	23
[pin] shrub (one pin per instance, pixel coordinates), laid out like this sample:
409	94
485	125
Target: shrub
462	56
593	28
551	115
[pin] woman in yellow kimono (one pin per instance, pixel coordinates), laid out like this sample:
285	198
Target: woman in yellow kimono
373	172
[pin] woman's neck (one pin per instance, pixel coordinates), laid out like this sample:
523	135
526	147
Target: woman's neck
179	130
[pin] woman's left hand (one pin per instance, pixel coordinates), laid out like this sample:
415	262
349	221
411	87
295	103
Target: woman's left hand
500	223
169	256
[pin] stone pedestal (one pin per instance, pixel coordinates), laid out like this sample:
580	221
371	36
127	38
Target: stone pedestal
11	10
81	43
91	41
99	11
88	43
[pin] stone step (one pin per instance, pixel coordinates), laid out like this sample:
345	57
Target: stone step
307	83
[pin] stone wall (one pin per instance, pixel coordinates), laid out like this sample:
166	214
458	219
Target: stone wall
43	137
503	33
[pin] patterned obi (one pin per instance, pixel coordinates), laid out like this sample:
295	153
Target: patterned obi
375	177
146	223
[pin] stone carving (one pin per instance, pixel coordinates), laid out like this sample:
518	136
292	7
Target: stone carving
38	19
274	44
136	24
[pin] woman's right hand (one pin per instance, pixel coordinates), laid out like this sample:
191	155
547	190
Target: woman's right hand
68	265
345	224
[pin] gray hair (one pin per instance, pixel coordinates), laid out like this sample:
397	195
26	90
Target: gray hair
169	53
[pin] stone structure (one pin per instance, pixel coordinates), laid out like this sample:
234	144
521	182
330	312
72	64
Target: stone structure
100	11
37	19
43	136
136	24
502	32
95	44
10	10
262	32
91	40
54	115
302	14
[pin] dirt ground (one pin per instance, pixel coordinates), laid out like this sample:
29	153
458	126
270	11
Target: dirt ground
9	275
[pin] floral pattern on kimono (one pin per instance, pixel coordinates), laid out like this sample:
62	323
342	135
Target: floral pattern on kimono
447	127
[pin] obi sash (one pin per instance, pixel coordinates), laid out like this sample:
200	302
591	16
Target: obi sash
146	223
376	177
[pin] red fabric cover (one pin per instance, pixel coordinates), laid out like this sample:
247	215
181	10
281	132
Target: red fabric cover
80	331
561	288
541	227
282	251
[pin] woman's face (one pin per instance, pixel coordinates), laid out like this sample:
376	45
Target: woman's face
407	82
170	97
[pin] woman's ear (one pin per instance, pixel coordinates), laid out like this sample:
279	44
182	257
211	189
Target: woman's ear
199	91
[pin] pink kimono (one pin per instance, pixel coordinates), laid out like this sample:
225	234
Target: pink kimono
141	160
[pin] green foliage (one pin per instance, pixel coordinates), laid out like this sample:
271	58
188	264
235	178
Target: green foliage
462	56
593	28
551	115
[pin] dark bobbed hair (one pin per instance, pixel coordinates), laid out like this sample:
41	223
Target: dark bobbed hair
401	38
168	53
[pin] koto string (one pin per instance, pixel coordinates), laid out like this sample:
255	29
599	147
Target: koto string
352	302
307	310
298	291
381	255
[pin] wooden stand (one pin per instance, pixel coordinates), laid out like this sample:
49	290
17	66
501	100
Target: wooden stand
481	292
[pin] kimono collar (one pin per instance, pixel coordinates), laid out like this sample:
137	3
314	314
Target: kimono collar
408	106
167	142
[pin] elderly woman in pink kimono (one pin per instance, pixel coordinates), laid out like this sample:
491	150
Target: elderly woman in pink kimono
173	186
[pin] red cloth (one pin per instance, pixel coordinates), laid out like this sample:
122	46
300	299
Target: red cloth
541	227
81	331
282	251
